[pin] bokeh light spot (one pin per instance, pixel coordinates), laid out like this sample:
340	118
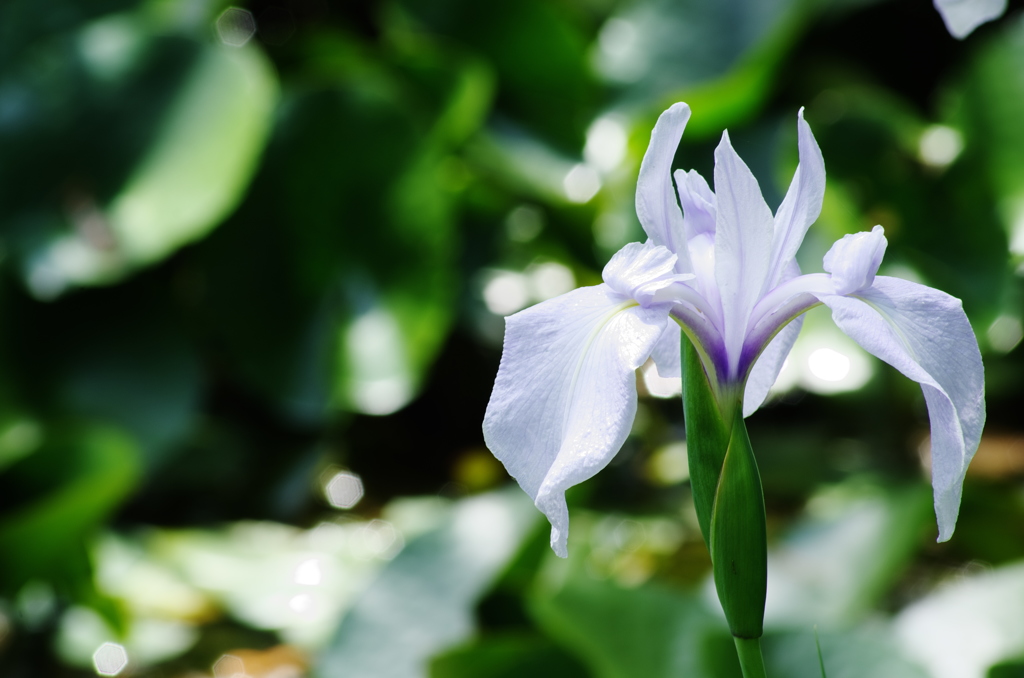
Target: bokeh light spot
236	26
380	539
669	465
606	144
308	573
1005	333
344	490
581	183
939	146
828	365
109	659
524	223
550	280
506	292
229	666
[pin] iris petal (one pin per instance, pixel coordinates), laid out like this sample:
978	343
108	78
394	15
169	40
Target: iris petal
565	395
925	334
801	206
743	242
963	16
656	204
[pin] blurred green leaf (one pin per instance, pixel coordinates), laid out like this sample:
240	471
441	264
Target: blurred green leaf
968	625
939	219
66	490
851	546
861	652
719	57
166	134
647	632
507	656
356	212
990	102
1009	669
423	601
539	52
200	165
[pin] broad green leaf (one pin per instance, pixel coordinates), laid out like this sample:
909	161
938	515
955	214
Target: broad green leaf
867	651
198	169
650	631
355	213
968	625
854	541
192	175
423	601
990	104
720	57
507	656
67	488
538	51
1008	669
875	145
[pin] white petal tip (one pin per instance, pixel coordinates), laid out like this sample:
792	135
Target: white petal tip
559	543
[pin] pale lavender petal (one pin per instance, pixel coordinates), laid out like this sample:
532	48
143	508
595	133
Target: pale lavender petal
801	206
766	370
640	270
666	354
656	204
963	16
565	395
768	365
925	334
698	203
854	259
743	243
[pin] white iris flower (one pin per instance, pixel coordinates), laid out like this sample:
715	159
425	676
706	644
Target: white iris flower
963	16
722	270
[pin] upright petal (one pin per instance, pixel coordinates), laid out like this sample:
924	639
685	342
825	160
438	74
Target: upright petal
925	334
565	395
698	203
743	241
963	16
854	259
656	204
640	270
801	206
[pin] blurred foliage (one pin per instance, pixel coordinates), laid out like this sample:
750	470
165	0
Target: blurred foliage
243	249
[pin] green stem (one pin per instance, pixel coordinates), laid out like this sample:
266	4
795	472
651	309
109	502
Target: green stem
751	661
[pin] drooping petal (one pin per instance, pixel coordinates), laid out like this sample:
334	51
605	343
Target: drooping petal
801	206
925	334
698	203
565	395
656	204
854	259
743	241
963	16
